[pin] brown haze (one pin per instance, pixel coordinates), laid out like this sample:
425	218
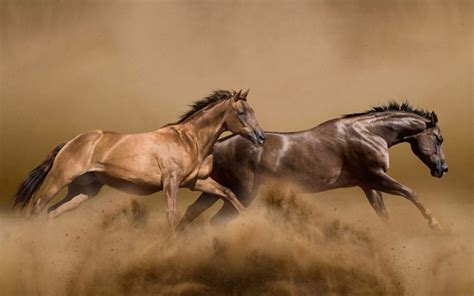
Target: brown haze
71	66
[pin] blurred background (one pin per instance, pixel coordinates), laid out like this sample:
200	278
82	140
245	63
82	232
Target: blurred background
132	66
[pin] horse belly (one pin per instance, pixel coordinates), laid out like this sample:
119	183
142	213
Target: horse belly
129	186
311	172
133	173
201	171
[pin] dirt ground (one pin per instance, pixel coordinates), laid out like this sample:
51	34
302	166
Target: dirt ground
132	66
285	245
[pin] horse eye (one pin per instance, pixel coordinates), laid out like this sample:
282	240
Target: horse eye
241	113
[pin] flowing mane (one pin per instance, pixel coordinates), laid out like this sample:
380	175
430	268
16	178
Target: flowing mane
216	96
396	107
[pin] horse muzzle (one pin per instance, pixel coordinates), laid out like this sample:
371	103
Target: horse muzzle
439	171
257	137
260	135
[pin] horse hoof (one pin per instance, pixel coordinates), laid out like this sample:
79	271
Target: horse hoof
180	228
434	225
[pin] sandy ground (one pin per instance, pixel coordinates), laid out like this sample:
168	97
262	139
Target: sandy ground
132	66
285	245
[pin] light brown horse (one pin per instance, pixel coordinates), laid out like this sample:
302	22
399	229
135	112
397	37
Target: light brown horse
343	152
176	155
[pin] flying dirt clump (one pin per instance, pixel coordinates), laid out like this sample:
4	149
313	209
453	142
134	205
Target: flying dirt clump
283	246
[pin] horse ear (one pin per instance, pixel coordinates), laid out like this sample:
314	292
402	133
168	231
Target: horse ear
434	118
237	95
244	94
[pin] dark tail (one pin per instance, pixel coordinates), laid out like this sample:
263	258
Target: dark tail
35	178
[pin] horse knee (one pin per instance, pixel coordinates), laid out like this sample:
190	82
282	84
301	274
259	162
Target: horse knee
228	193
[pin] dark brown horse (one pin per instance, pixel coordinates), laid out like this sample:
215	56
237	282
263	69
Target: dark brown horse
176	155
343	152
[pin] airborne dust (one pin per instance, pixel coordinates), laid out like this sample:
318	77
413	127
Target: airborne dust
285	245
130	66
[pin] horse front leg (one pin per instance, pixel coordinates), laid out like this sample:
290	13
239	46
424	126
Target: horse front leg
210	186
170	187
387	184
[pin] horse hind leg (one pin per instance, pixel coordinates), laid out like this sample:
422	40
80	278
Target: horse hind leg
227	212
205	201
53	187
78	192
376	201
60	176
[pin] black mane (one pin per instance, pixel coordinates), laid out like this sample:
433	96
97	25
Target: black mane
396	107
216	96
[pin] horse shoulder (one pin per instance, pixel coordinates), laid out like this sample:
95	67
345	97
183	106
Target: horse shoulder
177	153
371	147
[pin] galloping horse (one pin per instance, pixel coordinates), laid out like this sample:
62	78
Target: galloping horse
176	155
343	152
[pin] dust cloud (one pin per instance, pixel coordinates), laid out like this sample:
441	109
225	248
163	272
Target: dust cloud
132	66
284	245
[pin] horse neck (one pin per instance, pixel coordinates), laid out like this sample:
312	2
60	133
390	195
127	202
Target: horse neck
395	127
206	126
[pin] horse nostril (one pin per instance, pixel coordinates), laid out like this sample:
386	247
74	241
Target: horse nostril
446	169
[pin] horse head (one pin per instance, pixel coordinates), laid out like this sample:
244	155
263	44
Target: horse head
241	119
427	146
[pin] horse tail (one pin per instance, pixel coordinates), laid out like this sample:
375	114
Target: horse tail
35	178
